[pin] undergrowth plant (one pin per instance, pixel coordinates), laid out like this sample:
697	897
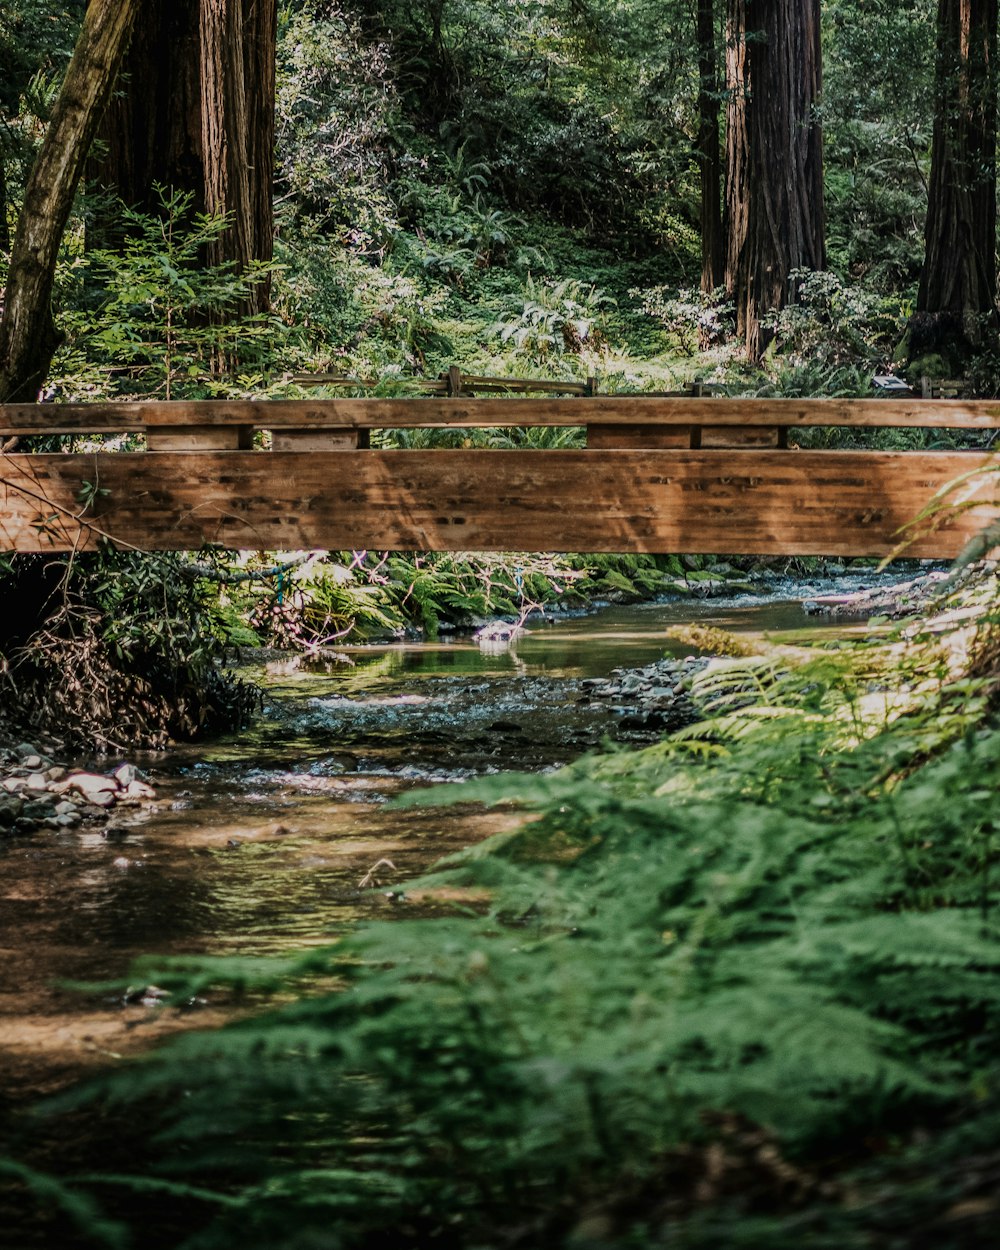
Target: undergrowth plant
156	320
767	946
116	650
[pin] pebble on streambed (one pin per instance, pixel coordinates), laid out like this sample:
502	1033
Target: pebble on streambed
655	697
36	792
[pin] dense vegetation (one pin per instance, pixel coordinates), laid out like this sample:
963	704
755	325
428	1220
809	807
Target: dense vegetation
511	188
736	990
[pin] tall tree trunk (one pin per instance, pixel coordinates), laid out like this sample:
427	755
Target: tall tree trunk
4	224
28	336
958	281
196	113
709	150
237	115
774	156
151	134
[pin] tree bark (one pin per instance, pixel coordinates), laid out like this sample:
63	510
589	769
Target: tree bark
709	151
28	336
196	113
774	157
151	132
4	225
958	280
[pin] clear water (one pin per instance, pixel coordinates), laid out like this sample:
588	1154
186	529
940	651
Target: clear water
264	841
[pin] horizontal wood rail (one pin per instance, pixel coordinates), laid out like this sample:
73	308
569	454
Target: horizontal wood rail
440	413
676	474
455	382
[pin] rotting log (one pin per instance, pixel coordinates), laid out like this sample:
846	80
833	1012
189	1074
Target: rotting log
849	503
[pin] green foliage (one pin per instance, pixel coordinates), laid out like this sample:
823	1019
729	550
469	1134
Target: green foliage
877	117
336	113
554	319
831	323
694	319
364	595
115	650
36	40
323	599
163	318
787	921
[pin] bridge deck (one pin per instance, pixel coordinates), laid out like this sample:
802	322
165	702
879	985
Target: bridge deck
658	475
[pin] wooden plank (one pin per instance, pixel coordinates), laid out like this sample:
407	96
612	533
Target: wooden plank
319	440
759	502
200	438
623	436
507	386
729	436
434	412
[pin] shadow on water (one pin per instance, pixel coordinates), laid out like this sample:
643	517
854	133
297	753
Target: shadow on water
261	842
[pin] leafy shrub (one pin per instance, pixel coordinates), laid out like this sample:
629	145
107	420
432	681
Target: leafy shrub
777	927
694	319
168	325
114	651
554	318
828	322
336	113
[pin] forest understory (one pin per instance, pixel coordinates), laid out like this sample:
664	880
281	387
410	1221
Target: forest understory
738	988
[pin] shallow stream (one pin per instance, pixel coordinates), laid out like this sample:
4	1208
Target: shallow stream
265	841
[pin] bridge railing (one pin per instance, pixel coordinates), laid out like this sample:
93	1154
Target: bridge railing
658	474
680	421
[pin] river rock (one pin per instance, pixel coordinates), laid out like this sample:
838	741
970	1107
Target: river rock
11	808
137	792
95	788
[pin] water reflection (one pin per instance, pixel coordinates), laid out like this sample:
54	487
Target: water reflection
257	843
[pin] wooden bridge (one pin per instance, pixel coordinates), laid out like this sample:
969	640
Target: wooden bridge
656	475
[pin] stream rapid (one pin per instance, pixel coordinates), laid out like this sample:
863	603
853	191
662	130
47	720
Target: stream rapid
271	840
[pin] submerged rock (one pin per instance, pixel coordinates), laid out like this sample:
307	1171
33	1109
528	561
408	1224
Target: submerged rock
36	793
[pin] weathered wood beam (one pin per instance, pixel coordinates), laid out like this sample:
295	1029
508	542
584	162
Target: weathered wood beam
758	502
461	411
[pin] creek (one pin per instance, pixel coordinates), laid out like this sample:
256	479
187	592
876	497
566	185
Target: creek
269	840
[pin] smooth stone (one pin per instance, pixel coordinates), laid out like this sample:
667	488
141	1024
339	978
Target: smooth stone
138	791
10	811
94	787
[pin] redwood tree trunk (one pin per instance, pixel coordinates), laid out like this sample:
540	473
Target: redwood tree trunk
151	133
196	113
709	150
774	156
958	281
27	332
4	227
